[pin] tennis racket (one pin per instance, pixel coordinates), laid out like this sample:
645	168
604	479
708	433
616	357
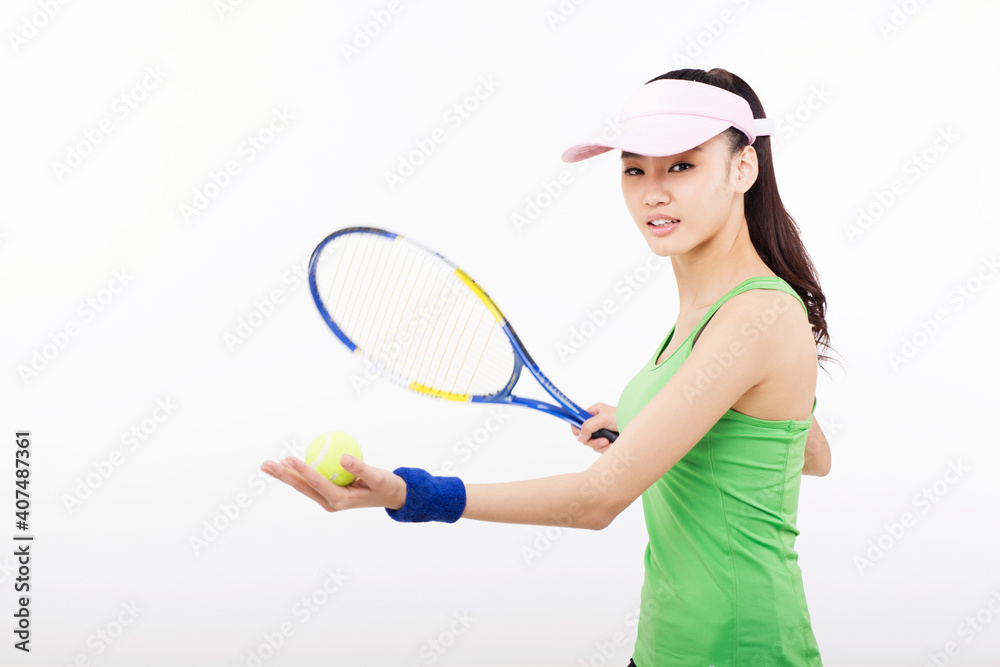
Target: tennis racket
424	323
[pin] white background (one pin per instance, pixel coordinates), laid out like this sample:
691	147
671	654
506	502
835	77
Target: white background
854	103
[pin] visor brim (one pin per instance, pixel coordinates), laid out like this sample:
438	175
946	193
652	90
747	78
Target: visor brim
653	136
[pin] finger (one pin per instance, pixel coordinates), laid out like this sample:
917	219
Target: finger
311	476
278	471
372	487
575	430
587	429
294	480
598	445
335	497
365	491
359	469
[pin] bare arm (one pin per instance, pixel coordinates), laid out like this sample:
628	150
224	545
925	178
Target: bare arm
593	497
817	452
641	455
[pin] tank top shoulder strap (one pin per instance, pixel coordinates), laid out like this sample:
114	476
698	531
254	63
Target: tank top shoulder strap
780	284
757	282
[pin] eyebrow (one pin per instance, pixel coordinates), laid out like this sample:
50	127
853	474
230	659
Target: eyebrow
626	154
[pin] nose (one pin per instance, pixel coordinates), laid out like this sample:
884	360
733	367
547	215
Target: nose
656	193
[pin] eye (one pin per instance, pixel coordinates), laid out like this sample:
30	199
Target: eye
633	171
685	166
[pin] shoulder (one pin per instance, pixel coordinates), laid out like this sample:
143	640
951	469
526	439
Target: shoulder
755	324
763	313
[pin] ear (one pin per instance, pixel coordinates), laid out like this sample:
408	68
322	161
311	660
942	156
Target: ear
746	169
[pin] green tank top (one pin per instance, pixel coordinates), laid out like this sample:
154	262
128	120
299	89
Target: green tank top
722	583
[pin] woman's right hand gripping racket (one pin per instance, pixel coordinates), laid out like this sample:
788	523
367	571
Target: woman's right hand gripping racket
605	417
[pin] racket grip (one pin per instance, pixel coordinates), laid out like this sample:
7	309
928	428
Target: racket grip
605	433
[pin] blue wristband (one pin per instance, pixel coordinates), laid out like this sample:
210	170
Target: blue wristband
429	498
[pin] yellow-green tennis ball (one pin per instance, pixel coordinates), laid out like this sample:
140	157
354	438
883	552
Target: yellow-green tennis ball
324	455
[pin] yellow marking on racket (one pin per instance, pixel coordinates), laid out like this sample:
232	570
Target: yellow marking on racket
416	386
464	277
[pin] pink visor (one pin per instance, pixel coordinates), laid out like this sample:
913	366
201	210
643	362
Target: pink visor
670	116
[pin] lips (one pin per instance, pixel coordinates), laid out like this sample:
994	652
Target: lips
660	220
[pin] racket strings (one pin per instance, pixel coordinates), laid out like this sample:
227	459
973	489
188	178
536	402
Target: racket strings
356	286
396	286
411	316
465	353
377	308
447	329
425	340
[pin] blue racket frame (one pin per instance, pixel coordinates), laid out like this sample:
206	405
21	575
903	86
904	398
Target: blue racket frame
567	410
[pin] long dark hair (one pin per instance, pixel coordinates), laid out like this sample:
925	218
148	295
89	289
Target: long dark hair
773	231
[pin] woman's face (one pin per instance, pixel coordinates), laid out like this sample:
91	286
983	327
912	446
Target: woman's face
680	201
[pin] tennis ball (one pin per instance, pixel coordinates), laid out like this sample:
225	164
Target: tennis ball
324	455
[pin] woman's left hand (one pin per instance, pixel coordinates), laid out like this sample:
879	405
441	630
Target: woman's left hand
372	487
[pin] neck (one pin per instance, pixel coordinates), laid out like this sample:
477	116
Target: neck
711	269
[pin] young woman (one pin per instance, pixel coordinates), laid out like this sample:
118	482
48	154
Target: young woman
717	428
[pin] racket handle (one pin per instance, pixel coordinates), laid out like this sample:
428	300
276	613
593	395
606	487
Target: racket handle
604	433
